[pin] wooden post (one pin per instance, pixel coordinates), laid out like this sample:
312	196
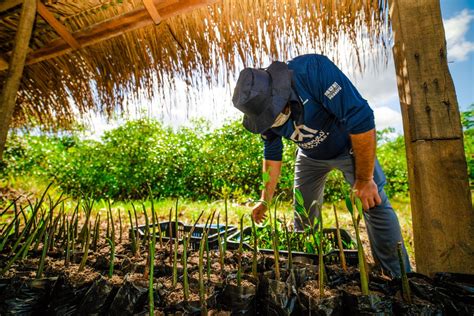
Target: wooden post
15	69
443	219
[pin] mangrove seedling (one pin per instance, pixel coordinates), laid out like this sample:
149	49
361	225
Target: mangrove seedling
112	226
170	228
151	255
147	222
321	270
406	292
120	225
342	256
288	244
208	259
107	231
34	211
356	217
276	253
304	218
95	240
255	249
7	232
132	235
68	241
44	226
185	270
239	269
137	235
225	193
186	240
156	220
176	242
202	290
87	206
112	256
39	273
220	246
86	247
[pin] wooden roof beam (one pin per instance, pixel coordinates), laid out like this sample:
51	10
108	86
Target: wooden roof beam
150	7
113	27
3	63
57	26
9	4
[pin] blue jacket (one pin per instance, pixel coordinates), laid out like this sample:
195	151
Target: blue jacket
333	109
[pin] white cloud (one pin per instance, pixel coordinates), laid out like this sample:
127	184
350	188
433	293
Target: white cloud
456	28
387	117
378	85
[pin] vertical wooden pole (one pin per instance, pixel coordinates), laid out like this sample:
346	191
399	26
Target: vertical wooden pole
443	219
15	69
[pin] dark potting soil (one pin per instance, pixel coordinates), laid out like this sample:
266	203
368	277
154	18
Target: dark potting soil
68	291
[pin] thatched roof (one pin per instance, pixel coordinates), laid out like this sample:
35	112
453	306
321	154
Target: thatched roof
202	44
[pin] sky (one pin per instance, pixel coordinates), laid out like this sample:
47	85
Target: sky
378	86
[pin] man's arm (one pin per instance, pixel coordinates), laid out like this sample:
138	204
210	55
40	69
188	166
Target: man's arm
273	168
363	146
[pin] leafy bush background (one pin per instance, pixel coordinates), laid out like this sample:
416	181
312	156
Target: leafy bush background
194	162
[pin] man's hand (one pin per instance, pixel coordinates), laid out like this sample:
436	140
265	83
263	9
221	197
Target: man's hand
367	192
259	212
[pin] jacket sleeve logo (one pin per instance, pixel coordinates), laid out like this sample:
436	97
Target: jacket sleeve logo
332	91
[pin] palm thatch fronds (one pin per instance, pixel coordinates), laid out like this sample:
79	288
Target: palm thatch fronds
203	47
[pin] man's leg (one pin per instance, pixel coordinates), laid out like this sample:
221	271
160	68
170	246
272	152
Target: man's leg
382	223
310	177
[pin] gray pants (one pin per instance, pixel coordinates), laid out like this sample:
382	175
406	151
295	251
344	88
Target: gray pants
381	221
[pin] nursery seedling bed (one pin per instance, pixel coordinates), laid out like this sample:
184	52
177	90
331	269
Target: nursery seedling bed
183	229
330	236
65	263
333	257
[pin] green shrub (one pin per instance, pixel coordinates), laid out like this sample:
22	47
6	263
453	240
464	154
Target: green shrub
192	162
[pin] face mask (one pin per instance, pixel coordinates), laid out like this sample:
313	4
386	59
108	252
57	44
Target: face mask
281	119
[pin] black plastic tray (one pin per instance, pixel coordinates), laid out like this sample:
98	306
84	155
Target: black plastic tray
195	239
332	257
330	235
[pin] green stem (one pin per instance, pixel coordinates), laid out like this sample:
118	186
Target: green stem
147	222
96	232
288	245
137	235
152	245
107	231
175	254
406	292
321	257
112	225
120	226
132	234
276	254
112	256
185	270
226	223
208	259
24	248
239	270
171	239
86	248
255	249
220	247
202	293
68	241
342	256
39	272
